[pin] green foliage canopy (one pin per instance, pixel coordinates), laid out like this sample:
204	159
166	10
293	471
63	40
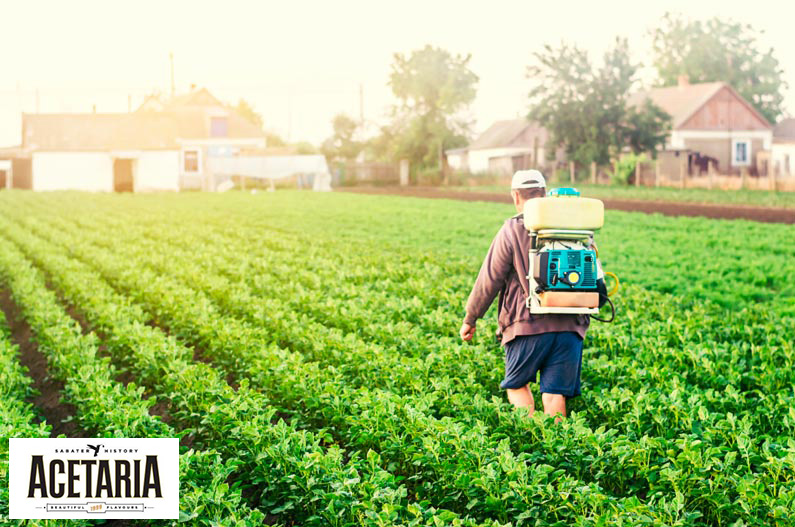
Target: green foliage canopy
342	144
247	111
585	108
433	87
719	50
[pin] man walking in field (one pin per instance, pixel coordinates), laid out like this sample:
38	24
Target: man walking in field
550	344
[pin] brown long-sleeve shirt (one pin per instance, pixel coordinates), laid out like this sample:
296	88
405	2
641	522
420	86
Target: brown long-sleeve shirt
504	271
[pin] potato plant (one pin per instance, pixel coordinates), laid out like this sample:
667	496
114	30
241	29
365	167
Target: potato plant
306	347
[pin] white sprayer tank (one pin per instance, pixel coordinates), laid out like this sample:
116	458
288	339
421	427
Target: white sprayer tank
564	212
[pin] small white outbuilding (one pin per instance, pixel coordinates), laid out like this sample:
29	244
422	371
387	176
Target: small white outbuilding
101	152
165	145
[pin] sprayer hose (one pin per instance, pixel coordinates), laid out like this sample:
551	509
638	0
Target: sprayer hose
614	289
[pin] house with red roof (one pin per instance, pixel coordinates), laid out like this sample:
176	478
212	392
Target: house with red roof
712	121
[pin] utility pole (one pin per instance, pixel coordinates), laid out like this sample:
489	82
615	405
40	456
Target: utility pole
289	115
361	103
171	60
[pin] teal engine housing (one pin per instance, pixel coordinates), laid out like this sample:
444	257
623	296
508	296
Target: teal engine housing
566	270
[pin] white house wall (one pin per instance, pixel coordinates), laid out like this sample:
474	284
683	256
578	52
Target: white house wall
157	170
92	171
678	137
478	160
457	161
784	154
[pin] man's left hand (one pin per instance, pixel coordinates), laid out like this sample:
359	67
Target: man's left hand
467	332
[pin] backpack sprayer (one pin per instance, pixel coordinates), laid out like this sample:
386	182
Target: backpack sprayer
565	274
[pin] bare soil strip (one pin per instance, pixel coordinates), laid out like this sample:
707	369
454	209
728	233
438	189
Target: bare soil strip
48	400
123	376
668	208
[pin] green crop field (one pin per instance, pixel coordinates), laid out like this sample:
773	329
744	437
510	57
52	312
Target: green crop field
304	348
756	198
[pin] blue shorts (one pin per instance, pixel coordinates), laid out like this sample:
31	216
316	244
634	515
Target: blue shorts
557	355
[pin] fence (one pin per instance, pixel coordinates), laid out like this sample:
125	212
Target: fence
657	173
347	174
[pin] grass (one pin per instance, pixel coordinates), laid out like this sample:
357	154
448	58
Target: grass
760	198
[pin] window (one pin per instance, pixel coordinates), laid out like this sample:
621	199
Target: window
219	127
190	161
741	152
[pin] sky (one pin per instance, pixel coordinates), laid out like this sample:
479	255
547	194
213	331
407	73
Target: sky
299	63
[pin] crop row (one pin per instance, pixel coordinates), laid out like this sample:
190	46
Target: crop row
641	246
673	400
377	408
293	472
357	266
306	385
107	407
379	418
18	418
690	361
690	414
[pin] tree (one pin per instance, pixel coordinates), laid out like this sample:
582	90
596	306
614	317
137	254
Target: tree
646	127
304	148
342	144
719	50
274	139
586	110
433	88
247	112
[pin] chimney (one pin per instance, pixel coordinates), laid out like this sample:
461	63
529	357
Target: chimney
683	80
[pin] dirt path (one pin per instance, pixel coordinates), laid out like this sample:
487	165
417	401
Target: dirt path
48	400
668	208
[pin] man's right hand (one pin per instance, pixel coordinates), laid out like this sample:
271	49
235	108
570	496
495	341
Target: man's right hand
467	332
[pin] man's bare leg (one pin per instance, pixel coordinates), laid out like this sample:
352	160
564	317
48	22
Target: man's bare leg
522	398
554	404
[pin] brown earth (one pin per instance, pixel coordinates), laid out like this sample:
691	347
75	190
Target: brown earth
49	390
123	376
668	208
48	399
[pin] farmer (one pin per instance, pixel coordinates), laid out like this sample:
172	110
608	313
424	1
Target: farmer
551	344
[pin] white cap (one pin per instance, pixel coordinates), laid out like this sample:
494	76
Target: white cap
528	179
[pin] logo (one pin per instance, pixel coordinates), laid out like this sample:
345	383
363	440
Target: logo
69	478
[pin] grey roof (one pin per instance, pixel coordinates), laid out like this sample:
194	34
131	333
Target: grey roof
785	130
153	126
98	131
505	133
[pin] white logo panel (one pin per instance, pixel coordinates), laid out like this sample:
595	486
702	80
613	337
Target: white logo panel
68	478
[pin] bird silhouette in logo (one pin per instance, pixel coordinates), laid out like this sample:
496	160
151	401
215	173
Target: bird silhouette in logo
95	449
